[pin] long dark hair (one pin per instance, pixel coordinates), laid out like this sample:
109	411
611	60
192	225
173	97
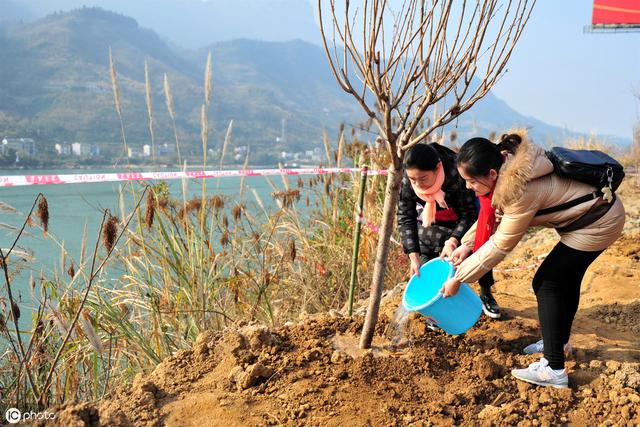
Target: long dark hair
479	155
421	156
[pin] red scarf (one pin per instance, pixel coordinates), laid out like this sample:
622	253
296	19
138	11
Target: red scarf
486	221
446	215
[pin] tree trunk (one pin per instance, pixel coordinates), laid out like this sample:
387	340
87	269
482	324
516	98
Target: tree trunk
392	193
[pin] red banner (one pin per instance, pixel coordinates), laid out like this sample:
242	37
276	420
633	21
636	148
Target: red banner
607	12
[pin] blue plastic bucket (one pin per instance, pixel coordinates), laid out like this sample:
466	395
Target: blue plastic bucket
455	314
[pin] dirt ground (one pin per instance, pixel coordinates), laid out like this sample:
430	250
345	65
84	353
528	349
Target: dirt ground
312	373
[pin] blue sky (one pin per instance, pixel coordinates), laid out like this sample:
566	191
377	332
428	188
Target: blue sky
569	78
559	74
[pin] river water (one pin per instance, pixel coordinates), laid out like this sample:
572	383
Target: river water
74	207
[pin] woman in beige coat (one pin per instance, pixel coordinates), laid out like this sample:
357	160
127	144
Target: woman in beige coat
514	180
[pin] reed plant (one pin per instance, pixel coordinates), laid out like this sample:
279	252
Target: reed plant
171	276
149	101
173	266
48	362
117	99
589	143
168	96
631	157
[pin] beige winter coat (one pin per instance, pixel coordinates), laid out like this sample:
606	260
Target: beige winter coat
525	185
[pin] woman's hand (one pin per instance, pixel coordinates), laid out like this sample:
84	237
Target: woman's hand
449	246
414	257
459	255
450	287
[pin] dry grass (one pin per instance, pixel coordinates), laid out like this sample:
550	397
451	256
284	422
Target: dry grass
115	86
590	143
149	101
631	158
173	276
169	102
183	266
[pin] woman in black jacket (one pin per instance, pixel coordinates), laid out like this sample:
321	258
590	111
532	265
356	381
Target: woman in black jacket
435	210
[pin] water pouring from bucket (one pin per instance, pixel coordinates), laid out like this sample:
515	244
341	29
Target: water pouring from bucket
455	314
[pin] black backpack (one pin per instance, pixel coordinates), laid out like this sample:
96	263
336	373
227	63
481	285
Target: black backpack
592	167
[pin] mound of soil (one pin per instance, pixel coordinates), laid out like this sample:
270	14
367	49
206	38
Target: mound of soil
621	317
311	373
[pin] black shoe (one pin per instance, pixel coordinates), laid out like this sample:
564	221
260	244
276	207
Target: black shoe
431	325
489	305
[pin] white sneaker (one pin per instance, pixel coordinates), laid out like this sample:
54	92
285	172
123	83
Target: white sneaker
538	347
541	374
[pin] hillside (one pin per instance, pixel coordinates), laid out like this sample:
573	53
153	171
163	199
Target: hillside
261	83
56	86
56	80
193	24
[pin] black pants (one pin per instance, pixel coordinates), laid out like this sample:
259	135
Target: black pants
557	288
432	241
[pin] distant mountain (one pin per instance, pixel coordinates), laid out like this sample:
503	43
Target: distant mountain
492	114
55	78
55	75
55	85
263	83
196	23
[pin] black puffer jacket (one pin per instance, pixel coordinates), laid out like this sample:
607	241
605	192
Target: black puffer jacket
457	196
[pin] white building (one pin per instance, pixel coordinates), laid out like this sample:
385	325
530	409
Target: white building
24	146
76	149
63	149
84	150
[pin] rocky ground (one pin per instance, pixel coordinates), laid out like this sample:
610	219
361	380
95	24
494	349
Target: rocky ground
312	373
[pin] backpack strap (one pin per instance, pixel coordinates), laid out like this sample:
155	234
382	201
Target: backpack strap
595	212
570	203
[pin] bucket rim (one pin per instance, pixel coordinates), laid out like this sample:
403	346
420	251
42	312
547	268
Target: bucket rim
429	303
433	299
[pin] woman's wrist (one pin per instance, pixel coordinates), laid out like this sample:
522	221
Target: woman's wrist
453	241
466	247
